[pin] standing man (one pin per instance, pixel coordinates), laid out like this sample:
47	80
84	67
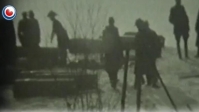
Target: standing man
146	47
179	19
33	40
62	37
114	54
197	31
34	30
23	30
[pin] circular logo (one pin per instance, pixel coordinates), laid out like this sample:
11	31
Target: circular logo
9	12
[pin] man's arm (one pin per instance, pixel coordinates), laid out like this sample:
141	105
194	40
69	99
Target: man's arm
171	16
19	32
186	17
52	36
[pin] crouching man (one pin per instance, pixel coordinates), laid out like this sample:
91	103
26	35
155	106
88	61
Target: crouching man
147	48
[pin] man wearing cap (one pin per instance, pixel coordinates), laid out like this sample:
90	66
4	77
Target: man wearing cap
114	54
179	19
197	31
146	47
62	37
23	30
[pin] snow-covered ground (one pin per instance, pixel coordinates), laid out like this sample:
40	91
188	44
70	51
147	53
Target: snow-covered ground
183	91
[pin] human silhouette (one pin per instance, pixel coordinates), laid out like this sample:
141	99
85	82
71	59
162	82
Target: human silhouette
34	30
62	37
179	19
147	48
23	30
114	54
8	57
197	39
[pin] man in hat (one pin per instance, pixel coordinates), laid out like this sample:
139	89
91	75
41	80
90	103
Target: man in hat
179	19
23	30
197	31
34	30
62	37
114	54
146	46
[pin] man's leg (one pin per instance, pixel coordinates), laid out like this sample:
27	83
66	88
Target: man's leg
185	37
114	76
178	45
149	79
153	72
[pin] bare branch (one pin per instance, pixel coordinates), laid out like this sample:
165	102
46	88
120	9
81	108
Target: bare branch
86	19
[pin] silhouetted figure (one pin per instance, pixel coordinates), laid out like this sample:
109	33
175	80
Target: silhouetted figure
23	30
33	40
197	40
62	37
146	47
34	30
180	21
114	54
7	61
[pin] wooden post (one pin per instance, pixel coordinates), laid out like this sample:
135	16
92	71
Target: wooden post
124	81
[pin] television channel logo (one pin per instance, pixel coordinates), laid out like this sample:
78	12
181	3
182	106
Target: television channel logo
9	12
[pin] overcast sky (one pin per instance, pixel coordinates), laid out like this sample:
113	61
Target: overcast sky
125	13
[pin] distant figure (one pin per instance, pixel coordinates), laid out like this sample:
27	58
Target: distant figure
62	37
34	30
197	31
7	62
23	30
146	47
180	21
114	54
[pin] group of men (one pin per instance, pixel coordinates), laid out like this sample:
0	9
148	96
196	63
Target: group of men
29	30
147	51
29	34
147	46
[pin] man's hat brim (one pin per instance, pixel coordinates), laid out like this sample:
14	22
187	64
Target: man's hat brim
52	14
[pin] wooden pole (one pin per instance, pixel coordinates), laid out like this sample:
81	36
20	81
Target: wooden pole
167	92
124	81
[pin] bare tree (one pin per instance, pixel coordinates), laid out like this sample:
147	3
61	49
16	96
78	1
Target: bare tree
86	18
